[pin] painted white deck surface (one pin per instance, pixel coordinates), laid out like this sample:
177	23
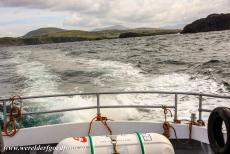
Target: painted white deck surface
55	133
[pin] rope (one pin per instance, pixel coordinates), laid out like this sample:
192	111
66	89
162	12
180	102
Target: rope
167	125
103	120
10	128
201	122
166	111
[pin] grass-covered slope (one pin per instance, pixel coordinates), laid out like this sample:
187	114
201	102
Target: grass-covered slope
79	35
42	31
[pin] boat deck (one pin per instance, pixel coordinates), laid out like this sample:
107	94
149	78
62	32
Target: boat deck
180	148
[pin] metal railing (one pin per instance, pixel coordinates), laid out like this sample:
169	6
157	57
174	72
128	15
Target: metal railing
98	106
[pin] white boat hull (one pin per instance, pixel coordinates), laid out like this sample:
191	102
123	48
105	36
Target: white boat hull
51	134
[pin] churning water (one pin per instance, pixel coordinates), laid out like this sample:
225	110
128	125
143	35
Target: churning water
185	63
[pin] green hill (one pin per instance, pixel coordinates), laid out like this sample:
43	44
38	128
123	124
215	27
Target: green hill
42	31
47	35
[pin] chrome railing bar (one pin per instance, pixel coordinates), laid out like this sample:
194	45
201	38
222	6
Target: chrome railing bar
4	113
215	96
50	96
176	102
1	142
164	92
134	106
200	107
95	107
148	92
61	110
125	92
98	104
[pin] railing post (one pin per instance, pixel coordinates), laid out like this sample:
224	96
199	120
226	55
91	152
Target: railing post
176	101
98	104
1	142
4	114
200	107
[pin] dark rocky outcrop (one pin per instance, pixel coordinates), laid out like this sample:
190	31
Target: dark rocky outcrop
139	32
213	22
44	40
10	41
34	41
129	34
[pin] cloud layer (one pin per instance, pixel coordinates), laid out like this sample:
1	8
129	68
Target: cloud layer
89	14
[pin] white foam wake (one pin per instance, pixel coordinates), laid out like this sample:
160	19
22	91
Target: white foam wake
116	76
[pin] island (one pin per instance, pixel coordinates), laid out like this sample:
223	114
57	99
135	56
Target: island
213	22
57	35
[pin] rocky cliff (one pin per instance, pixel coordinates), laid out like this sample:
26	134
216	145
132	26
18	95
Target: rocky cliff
213	22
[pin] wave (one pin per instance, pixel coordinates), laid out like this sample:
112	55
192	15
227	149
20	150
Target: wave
214	69
75	73
226	84
174	62
112	76
214	62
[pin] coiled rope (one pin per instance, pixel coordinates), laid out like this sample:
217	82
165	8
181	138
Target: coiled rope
166	125
10	128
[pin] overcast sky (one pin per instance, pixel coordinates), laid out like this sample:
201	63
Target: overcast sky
20	16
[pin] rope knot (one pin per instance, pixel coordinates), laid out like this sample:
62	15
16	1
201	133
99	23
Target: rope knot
166	111
200	122
103	120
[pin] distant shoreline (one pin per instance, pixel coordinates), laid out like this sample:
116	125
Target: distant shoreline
77	35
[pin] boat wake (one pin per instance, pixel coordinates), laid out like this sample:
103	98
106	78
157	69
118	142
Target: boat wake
49	76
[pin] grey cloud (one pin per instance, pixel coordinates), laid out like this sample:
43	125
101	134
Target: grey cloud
146	12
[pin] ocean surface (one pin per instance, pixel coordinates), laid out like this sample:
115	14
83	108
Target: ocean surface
185	63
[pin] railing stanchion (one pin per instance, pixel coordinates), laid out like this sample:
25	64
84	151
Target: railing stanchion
98	104
200	107
4	114
176	101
